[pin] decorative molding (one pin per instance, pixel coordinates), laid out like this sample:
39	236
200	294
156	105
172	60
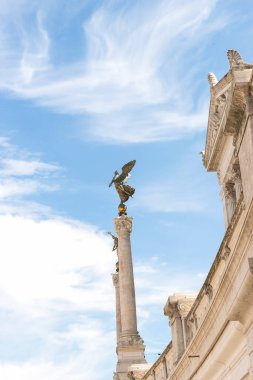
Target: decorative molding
123	223
131	340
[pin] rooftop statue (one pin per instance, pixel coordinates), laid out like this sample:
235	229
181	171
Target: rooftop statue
124	191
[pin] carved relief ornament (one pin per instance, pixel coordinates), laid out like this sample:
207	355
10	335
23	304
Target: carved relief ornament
236	173
229	190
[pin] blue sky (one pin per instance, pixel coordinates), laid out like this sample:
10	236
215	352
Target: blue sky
86	86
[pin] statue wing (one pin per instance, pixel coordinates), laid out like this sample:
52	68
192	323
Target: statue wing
128	167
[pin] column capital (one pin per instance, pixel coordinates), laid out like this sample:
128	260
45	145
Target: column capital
115	279
123	223
179	305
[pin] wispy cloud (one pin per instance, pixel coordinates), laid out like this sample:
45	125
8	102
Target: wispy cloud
129	81
14	167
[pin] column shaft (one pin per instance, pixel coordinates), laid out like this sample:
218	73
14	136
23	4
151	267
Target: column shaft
115	277
128	304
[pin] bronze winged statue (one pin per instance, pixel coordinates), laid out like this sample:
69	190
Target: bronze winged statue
124	191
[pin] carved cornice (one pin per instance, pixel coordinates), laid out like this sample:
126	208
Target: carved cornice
123	223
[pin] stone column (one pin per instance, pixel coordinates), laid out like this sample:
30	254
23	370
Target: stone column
177	308
130	348
115	279
123	227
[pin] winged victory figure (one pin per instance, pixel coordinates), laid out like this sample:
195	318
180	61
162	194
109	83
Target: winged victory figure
124	191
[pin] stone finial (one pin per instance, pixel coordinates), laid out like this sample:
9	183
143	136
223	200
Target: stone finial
124	222
212	79
234	58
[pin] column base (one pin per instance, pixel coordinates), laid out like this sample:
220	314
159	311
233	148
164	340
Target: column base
130	350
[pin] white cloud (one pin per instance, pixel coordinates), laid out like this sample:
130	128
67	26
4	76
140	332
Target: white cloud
55	282
129	81
14	167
